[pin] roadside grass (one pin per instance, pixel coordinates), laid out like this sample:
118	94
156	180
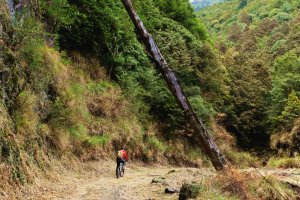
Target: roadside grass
241	159
252	186
259	188
284	162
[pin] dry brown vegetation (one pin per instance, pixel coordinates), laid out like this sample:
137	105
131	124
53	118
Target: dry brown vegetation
252	185
286	142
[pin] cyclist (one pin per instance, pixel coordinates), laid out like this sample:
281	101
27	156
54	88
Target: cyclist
121	158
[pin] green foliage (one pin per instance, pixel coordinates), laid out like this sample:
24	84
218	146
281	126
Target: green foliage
291	111
283	17
182	12
29	41
278	45
99	87
109	33
285	79
203	109
98	140
241	159
188	191
261	58
284	162
156	144
58	13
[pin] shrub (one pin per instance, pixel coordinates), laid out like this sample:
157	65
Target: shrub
156	144
188	191
29	42
283	17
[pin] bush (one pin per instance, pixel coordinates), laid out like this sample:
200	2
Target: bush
283	17
188	191
156	144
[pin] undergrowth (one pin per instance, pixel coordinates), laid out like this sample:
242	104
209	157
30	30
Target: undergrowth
252	186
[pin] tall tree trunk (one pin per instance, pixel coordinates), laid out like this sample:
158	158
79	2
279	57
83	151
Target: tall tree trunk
203	137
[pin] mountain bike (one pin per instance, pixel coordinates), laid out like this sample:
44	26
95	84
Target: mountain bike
121	170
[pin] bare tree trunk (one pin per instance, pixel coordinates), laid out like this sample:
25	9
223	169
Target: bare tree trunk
203	137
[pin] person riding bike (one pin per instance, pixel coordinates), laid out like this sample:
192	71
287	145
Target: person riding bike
121	158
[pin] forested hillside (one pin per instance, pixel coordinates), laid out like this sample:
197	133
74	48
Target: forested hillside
76	81
258	43
77	84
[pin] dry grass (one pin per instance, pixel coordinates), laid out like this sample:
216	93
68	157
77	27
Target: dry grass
252	186
261	189
233	182
26	116
111	104
227	144
284	162
286	142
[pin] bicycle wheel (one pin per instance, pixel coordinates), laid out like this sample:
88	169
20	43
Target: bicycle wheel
118	172
122	169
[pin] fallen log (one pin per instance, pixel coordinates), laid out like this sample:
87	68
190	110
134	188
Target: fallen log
203	137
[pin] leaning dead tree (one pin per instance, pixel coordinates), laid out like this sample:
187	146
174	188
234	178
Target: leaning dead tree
203	137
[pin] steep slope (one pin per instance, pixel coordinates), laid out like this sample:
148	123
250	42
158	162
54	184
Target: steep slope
99	94
76	84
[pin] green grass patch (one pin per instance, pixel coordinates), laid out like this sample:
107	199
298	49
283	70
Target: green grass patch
241	159
98	140
79	131
284	162
156	144
99	87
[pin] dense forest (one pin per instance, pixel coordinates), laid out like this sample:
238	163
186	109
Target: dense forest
258	43
77	83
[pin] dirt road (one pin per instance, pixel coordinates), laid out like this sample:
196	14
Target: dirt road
98	182
95	181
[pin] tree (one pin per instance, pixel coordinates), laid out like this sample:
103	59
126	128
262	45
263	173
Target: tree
285	79
206	141
291	111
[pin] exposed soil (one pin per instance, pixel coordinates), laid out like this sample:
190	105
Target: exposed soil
97	181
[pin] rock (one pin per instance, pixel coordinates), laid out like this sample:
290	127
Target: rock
161	180
171	171
170	190
188	191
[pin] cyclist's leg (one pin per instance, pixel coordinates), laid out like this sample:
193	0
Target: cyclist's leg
118	165
123	163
